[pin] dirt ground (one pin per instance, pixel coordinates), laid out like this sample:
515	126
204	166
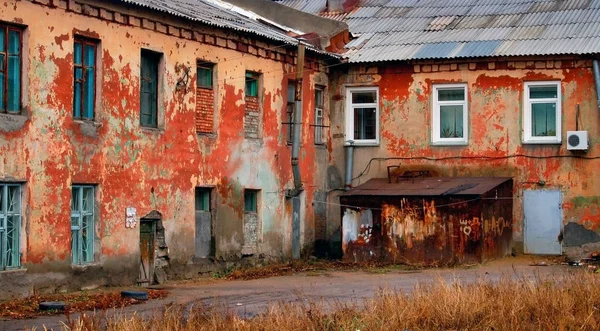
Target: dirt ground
248	298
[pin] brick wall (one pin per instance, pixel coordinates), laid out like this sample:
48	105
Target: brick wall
252	118
204	110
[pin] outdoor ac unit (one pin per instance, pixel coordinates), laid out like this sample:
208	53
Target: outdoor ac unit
577	140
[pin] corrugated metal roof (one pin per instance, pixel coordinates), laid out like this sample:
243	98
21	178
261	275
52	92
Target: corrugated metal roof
428	186
214	13
391	30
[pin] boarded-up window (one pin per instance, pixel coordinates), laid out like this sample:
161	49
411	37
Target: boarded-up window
149	88
205	97
10	226
84	78
251	221
10	69
252	114
82	224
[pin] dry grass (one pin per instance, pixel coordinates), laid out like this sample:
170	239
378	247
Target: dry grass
570	303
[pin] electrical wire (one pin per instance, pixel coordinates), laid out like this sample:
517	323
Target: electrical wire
480	157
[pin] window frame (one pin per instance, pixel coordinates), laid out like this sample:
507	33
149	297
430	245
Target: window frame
80	214
350	116
209	67
255	194
252	77
528	137
157	58
436	134
16	237
90	42
318	132
202	196
4	70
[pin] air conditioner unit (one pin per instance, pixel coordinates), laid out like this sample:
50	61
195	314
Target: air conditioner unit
577	140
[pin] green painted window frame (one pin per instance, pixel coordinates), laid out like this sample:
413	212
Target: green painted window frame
84	78
11	45
251	201
149	66
82	223
252	79
10	226
204	74
202	199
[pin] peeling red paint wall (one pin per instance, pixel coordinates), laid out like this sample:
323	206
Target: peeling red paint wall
150	169
495	96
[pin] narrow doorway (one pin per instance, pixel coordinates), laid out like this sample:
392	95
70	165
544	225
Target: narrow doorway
542	223
147	249
205	240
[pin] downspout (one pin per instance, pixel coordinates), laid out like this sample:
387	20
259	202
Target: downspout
297	125
349	164
597	79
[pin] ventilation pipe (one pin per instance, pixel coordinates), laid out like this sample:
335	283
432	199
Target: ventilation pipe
597	79
297	124
349	164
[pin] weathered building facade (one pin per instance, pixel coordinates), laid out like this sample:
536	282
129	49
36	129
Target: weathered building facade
470	89
134	137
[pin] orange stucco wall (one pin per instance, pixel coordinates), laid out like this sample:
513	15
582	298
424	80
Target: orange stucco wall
149	169
495	96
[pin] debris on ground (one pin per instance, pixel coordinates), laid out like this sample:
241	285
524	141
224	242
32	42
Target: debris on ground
74	302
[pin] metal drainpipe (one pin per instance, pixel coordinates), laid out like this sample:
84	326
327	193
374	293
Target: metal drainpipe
349	164
297	124
597	79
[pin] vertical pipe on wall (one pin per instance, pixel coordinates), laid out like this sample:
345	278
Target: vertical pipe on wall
597	79
297	123
349	164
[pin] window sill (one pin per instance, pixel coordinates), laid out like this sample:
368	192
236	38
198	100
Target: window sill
85	266
210	135
358	143
149	129
13	271
449	143
12	122
321	146
542	142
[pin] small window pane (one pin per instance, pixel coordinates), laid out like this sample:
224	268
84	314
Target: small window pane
90	54
250	201
204	76
2	38
319	98
88	101
75	199
202	200
88	199
451	94
543	92
14	199
451	121
1	84
77	53
364	97
365	120
14	42
543	119
14	83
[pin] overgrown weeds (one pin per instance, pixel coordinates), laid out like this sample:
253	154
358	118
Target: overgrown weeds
567	303
76	302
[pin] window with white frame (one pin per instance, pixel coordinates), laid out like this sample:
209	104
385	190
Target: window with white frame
450	115
10	226
82	224
362	115
542	113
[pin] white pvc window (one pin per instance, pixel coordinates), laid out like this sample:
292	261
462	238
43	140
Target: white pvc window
362	116
542	113
450	115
